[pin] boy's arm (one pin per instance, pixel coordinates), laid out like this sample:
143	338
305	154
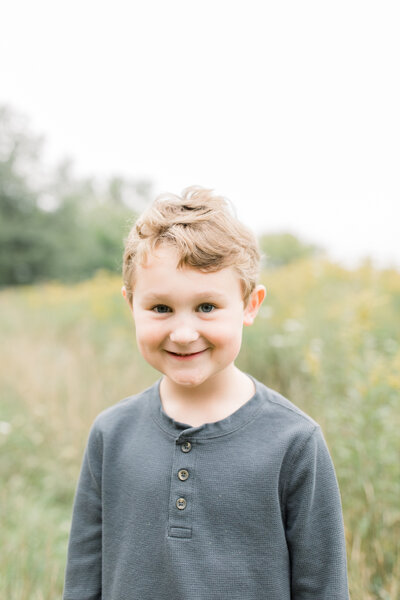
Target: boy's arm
83	572
314	525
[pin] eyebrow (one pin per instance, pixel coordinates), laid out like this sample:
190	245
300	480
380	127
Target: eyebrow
209	294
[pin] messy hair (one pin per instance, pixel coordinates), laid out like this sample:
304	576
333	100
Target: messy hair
204	230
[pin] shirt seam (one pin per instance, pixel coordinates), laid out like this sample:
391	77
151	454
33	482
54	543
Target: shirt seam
290	466
96	440
297	412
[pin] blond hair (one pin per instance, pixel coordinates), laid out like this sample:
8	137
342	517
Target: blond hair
204	230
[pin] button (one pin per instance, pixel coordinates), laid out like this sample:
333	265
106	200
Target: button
181	503
183	474
186	447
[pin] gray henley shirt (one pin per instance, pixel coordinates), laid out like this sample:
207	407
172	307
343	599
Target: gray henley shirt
246	508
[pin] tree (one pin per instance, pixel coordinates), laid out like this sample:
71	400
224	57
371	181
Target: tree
282	248
24	252
57	226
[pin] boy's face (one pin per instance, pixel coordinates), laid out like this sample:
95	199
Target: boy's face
189	323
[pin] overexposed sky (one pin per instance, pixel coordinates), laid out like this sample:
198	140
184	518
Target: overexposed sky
289	108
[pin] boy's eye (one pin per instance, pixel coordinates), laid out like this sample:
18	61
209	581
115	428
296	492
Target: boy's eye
161	308
206	307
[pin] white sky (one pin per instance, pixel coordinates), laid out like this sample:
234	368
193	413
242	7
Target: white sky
289	108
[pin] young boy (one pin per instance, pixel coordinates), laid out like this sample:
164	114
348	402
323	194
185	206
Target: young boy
208	485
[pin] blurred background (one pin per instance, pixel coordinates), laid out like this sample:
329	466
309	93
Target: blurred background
290	110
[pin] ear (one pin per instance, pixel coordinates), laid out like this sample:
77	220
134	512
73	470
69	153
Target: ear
125	295
256	299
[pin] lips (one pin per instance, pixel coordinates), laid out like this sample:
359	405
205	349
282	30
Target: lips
186	355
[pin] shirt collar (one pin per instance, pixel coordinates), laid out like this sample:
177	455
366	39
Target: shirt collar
236	420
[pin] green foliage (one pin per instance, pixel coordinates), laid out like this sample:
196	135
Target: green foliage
327	337
283	248
23	251
54	225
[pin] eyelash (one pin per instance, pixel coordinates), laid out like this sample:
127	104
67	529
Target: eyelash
208	304
154	309
164	312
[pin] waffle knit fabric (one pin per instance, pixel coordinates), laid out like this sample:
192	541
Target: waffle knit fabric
246	508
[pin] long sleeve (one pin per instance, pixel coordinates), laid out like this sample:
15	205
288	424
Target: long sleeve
314	524
84	563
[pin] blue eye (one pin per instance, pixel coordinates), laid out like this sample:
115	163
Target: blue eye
206	307
161	309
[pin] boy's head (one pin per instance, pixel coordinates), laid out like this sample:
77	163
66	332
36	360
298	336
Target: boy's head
203	230
190	279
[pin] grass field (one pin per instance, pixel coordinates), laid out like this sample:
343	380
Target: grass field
327	337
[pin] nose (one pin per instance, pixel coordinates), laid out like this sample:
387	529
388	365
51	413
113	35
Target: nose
183	334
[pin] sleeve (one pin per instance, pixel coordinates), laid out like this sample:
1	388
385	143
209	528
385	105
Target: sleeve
84	561
314	524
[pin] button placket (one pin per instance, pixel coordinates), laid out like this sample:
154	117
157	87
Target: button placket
182	489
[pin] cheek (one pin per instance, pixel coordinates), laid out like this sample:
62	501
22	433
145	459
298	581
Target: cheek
148	334
227	334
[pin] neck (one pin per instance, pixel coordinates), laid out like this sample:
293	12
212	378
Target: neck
212	401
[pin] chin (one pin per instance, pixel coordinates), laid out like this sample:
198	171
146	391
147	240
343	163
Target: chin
187	381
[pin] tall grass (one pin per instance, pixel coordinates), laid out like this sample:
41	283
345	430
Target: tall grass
327	337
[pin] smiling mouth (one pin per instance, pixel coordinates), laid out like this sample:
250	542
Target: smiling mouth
182	355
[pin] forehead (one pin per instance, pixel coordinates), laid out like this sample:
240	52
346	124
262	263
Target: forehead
159	274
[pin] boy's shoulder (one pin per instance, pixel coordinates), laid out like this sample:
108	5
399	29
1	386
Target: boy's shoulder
278	406
283	426
136	407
